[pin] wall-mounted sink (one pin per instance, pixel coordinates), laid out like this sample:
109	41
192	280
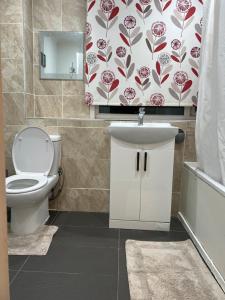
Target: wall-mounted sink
148	133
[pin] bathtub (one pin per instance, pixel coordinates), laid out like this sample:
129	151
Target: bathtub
202	212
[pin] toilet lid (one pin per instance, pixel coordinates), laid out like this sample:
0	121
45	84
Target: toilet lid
32	151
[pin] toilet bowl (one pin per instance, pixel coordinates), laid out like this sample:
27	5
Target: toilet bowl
36	158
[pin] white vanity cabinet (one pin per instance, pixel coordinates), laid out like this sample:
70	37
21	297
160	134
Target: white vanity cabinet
141	184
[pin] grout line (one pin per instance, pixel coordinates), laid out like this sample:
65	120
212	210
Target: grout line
86	226
19	270
11	23
66	273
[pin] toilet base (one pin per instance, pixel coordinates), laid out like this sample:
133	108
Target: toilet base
27	219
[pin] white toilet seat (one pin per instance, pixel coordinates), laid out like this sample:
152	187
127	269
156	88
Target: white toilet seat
24	183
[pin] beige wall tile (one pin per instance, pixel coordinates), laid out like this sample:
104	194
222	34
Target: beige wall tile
177	170
14	112
74	107
11	41
191	125
190	151
73	87
85	142
27	13
11	11
28	51
47	14
46	87
29	106
36	49
9	134
48	106
84	200
42	122
53	204
83	123
9	166
86	172
74	15
12	75
179	124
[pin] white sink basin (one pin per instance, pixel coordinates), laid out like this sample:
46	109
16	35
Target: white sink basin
148	133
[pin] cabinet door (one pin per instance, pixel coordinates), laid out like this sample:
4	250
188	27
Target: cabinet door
124	181
156	185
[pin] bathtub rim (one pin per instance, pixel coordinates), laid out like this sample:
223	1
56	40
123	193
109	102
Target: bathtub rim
194	168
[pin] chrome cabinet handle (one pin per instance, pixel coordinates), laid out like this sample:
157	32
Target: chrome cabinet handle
138	160
146	161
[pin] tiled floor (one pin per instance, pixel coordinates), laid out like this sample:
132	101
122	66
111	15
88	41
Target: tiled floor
86	260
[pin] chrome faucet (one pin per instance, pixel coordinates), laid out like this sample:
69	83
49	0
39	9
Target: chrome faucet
141	116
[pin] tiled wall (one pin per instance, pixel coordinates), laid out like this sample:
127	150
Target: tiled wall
57	99
57	106
11	28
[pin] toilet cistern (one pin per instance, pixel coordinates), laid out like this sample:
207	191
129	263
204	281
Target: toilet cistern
141	116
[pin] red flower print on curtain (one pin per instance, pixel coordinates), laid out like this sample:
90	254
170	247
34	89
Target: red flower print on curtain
107	14
180	86
142	52
156	37
195	52
194	60
157	99
162	5
142	78
90	5
108	85
127	2
144	9
88	36
179	52
129	98
129	33
104	51
124	66
89	99
183	15
163	68
91	67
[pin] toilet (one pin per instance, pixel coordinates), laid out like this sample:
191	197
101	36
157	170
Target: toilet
36	158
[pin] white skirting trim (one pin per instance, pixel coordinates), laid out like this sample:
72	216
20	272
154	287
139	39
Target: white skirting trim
203	253
142	225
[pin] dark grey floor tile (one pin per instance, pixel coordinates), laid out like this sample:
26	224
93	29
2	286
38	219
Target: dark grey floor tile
176	225
51	286
82	219
70	259
12	275
52	216
86	237
123	286
122	261
16	261
145	235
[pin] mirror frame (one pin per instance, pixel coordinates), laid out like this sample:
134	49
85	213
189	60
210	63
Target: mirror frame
49	76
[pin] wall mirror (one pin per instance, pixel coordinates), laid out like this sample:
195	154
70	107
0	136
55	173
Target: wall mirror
61	55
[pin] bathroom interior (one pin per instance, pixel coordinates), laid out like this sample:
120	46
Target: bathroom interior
112	160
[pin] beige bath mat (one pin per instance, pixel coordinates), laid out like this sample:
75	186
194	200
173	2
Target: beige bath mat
36	243
169	270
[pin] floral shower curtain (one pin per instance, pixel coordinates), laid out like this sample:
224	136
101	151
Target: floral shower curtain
210	127
142	52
